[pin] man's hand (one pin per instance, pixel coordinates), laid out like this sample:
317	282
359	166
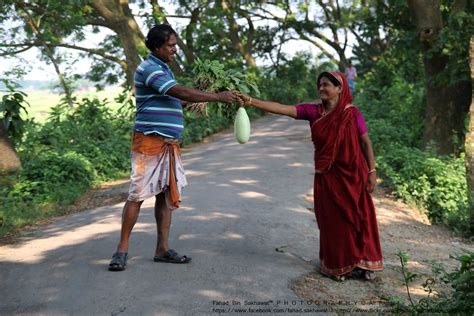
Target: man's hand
228	97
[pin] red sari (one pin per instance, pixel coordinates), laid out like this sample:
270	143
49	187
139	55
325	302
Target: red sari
344	209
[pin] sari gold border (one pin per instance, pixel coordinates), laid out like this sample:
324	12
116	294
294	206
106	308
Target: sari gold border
363	264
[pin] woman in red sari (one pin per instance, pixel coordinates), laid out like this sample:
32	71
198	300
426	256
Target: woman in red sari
344	178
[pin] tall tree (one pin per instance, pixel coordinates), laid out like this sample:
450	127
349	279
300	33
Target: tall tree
242	39
379	26
232	37
447	97
324	24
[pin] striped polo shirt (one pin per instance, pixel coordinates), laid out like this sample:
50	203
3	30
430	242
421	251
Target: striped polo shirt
157	112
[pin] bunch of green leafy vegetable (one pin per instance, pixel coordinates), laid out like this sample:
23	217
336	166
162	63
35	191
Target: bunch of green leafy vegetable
211	76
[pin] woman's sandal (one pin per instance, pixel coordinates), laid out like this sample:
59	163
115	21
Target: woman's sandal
370	276
338	278
119	261
172	256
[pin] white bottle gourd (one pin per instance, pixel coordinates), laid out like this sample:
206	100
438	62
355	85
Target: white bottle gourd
242	126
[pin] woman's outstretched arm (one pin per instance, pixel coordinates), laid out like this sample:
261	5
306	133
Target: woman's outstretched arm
273	107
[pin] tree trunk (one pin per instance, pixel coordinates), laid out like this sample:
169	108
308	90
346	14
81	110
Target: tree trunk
470	145
9	161
245	49
446	104
119	18
131	41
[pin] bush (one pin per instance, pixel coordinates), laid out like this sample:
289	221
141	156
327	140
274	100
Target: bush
91	130
459	299
52	175
394	113
436	184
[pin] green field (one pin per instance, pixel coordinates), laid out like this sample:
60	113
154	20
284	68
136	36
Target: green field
42	101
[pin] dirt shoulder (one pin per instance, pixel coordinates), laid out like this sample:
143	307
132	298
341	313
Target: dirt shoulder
402	228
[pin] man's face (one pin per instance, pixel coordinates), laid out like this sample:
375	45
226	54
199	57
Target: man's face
167	51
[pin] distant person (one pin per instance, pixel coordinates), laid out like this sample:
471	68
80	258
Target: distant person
156	160
344	178
351	75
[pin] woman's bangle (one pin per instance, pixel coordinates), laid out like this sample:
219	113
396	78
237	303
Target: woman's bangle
250	100
372	170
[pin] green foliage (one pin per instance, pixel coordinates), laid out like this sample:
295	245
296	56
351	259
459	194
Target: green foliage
436	185
386	27
91	130
12	106
459	298
294	81
407	275
453	43
49	172
392	99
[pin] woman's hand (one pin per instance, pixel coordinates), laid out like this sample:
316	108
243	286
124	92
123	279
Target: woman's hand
371	182
245	99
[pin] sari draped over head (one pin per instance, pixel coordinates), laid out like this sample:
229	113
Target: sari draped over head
344	209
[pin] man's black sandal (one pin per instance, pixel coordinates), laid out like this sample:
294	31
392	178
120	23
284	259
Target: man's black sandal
172	256
119	261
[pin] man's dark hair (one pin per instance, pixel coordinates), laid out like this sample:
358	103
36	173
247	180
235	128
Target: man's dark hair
158	35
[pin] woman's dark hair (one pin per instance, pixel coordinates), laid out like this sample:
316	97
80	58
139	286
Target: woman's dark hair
329	76
158	35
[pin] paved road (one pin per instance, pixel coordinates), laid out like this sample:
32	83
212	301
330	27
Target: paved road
243	201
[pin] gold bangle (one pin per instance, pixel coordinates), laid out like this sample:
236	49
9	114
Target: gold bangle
250	100
372	170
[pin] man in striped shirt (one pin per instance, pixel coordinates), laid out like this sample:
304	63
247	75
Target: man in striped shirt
156	162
